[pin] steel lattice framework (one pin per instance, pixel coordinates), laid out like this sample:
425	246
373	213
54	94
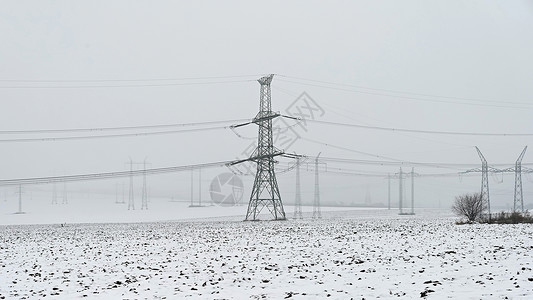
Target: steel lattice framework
298	194
518	197
317	214
484	181
265	192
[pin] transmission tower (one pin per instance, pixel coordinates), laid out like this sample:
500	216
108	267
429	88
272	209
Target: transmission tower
131	203
144	202
518	197
200	187
265	191
54	194
298	196
65	195
401	191
20	191
316	203
192	188
412	191
388	178
116	193
484	181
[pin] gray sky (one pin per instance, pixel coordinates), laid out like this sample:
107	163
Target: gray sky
474	55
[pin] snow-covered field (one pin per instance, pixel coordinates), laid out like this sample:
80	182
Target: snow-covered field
355	254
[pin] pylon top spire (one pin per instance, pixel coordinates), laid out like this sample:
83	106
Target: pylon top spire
266	80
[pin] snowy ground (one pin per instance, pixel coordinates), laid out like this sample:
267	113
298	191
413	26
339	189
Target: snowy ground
355	254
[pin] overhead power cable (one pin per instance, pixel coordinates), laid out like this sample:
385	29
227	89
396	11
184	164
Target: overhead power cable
405	95
113	84
128	80
389	163
387	159
86	137
108	175
417	130
119	128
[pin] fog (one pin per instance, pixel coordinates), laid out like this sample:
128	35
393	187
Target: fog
440	66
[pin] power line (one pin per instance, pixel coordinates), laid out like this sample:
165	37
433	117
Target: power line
86	137
127	80
108	175
406	94
390	159
418	131
119	85
100	129
403	92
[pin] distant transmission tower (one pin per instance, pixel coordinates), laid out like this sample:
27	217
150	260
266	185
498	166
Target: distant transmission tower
518	197
484	181
200	187
298	196
116	193
54	194
65	195
265	191
400	189
144	203
316	203
388	178
412	191
131	203
192	188
20	199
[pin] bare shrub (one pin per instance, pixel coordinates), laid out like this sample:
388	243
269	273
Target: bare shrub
470	206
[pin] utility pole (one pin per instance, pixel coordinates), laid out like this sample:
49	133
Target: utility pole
298	195
518	196
316	203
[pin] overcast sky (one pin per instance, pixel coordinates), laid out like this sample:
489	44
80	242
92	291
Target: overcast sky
92	64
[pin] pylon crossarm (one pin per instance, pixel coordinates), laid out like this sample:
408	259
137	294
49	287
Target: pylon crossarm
262	117
240	125
295	156
291	117
255	159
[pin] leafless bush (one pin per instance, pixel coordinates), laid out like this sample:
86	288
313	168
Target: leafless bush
470	206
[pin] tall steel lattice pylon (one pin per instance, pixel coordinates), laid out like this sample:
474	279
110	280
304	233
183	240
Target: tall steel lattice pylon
317	214
388	177
518	197
265	192
484	181
412	191
144	197
400	189
131	202
298	196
